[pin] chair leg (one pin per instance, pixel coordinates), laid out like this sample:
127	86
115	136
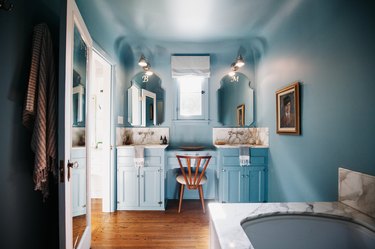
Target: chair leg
181	196
201	197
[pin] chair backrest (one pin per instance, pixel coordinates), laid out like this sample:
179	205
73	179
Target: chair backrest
193	169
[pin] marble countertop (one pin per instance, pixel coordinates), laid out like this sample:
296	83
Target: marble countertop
227	217
150	146
240	145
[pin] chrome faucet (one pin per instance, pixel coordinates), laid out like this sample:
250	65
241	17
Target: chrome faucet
234	136
145	135
230	133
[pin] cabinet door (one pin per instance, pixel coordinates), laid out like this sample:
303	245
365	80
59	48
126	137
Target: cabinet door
128	187
78	191
231	179
150	187
255	184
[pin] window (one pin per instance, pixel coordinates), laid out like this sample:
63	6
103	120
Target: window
191	74
192	97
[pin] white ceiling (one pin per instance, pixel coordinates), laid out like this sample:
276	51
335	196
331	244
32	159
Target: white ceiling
189	20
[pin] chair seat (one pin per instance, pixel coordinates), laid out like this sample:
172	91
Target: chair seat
180	179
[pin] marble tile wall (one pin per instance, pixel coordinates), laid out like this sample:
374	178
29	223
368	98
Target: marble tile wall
357	190
125	136
78	136
258	136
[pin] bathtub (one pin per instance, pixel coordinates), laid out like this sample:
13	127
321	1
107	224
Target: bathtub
303	225
295	231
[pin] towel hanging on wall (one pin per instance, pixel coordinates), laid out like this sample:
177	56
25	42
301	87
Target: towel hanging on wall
39	114
244	156
139	159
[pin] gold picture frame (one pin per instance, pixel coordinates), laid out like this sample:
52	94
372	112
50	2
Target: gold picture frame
288	110
241	115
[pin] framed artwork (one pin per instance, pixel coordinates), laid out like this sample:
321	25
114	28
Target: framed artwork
241	115
288	110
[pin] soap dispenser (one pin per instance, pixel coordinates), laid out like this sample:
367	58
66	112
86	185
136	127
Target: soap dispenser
165	140
161	140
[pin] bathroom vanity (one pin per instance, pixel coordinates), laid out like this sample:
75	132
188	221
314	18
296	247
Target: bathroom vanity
242	184
140	188
149	187
78	156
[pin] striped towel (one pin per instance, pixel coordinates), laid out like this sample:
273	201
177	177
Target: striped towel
39	114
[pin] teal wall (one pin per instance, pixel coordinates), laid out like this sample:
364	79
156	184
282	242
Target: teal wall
327	45
329	48
25	221
127	50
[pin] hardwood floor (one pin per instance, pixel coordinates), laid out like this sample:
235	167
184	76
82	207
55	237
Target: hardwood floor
151	229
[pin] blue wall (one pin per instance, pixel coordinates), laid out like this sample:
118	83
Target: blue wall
329	48
25	221
127	50
327	45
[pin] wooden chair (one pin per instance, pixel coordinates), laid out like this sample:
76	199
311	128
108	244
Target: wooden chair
193	176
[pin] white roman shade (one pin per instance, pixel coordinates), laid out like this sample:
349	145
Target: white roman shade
190	65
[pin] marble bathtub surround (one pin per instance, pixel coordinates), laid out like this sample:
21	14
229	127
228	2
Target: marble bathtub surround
227	218
357	190
78	136
141	136
252	136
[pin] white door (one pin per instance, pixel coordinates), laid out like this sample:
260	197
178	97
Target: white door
74	112
102	171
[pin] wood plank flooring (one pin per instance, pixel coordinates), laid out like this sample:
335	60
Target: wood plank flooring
151	229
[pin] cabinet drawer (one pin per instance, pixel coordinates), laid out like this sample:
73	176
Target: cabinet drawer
152	160
235	160
257	160
128	161
147	152
125	161
128	152
259	152
231	160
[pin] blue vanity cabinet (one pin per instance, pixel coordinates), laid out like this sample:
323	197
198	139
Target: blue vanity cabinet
140	188
242	184
78	156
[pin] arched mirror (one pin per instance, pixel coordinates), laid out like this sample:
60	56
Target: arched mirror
78	149
145	100
236	101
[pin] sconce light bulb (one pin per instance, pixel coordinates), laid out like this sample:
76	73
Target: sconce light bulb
240	61
149	73
142	61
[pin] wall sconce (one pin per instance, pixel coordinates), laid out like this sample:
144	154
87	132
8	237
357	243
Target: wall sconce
239	62
142	61
147	70
145	65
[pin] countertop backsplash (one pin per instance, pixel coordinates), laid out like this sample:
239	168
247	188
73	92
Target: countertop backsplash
357	190
253	136
78	136
128	136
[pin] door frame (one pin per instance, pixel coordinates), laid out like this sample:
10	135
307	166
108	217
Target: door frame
109	203
72	16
